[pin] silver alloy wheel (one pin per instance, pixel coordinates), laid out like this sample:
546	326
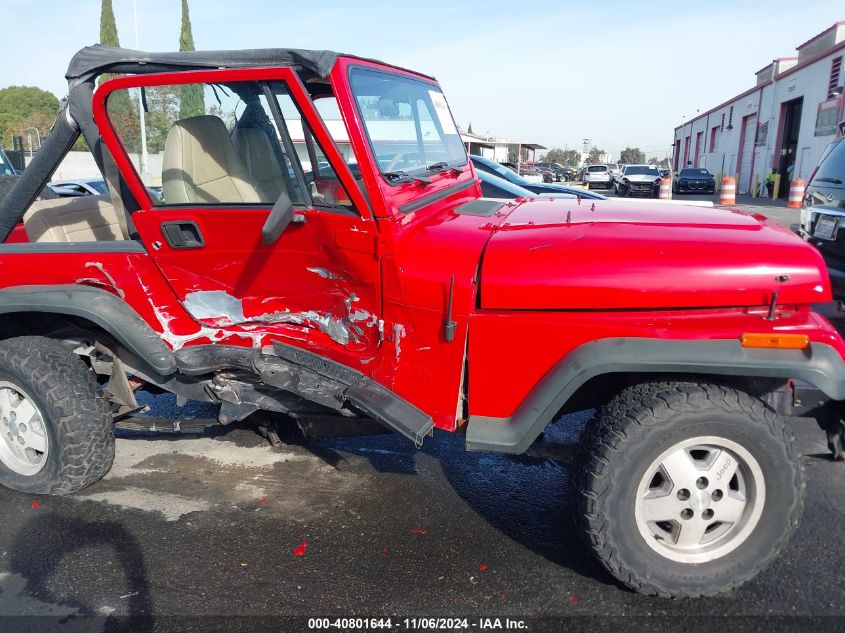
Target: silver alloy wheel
24	443
700	499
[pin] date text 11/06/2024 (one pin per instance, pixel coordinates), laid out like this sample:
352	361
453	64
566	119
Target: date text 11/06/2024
424	624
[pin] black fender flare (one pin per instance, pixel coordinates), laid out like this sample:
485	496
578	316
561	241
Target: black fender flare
100	307
819	364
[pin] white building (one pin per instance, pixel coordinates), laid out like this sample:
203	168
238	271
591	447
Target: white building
784	122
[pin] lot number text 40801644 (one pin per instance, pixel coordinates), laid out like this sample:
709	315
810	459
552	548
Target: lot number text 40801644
417	624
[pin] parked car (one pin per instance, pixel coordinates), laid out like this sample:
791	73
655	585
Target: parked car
79	187
491	167
561	173
823	212
694	180
6	167
615	169
569	173
493	186
410	300
597	175
533	172
638	180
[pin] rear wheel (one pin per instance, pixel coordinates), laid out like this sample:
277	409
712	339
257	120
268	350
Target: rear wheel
686	489
55	427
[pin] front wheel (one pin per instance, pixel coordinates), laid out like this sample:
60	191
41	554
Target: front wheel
687	489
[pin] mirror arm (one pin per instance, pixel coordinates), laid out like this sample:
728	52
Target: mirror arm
277	221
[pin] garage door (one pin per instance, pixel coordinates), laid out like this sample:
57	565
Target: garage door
750	133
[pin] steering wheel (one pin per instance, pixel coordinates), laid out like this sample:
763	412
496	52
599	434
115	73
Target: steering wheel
392	165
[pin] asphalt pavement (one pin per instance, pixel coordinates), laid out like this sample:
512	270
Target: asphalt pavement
223	526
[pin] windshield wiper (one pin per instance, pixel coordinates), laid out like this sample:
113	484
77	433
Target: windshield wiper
834	181
444	166
398	177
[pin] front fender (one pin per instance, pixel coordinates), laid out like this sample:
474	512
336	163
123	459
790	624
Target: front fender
820	365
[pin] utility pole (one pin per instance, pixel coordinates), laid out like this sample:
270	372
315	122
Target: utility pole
143	117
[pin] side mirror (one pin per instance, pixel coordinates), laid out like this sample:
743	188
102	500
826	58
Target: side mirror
280	216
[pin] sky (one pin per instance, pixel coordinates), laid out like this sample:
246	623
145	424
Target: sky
549	72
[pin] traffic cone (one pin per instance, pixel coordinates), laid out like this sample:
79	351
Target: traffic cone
665	188
728	193
796	194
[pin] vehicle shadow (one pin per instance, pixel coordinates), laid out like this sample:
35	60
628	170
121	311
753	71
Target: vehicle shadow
525	498
44	553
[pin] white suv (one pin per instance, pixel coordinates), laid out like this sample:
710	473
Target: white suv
597	175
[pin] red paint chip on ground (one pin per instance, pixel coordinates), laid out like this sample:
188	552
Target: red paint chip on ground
300	551
386	550
34	505
264	501
418	531
482	567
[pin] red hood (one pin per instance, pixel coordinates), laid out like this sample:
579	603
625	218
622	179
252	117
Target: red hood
607	255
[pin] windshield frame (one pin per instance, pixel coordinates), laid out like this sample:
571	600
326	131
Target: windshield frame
416	172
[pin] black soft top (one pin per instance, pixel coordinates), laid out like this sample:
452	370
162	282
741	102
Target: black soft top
92	61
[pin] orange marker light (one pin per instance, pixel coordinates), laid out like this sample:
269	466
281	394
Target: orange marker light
776	341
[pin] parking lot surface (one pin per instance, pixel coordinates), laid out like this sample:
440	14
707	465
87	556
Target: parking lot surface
224	525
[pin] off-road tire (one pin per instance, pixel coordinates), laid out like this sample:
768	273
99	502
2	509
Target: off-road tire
630	431
76	416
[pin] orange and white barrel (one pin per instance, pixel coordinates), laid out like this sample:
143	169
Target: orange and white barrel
796	194
665	188
728	193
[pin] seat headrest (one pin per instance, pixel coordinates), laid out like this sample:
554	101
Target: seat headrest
201	164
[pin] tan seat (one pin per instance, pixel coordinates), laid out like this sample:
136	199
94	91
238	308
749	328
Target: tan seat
80	219
256	152
201	165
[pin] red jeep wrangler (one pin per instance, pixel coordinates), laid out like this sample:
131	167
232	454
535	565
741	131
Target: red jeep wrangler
320	246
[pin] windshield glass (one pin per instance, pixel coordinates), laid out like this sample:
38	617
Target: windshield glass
596	168
831	169
694	173
407	121
98	185
637	170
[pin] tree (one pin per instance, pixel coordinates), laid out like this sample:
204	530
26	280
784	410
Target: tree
566	157
25	106
122	111
664	162
595	155
108	26
193	103
513	156
632	156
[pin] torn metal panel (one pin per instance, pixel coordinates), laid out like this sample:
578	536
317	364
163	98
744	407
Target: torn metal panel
214	304
222	310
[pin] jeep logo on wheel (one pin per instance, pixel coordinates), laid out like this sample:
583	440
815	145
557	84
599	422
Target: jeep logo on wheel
723	469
